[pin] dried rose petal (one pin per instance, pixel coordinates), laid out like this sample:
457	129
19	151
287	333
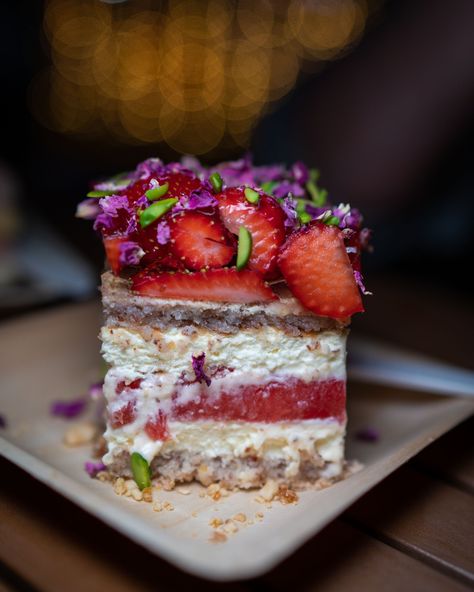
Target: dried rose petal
130	253
68	409
198	367
92	468
368	434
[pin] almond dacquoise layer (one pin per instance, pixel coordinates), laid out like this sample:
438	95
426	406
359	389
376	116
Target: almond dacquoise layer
266	401
227	307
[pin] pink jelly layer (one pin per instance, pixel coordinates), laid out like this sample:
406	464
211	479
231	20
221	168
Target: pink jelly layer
272	402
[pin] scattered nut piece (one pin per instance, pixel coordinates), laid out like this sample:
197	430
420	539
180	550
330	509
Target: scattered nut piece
136	494
268	491
240	517
78	435
230	527
104	476
259	516
147	495
216	522
157	507
168	506
286	495
183	491
215	491
119	486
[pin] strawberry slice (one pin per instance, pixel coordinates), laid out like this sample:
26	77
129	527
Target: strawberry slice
200	240
216	285
265	221
112	252
316	267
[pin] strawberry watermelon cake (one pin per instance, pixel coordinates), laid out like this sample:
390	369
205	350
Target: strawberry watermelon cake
227	302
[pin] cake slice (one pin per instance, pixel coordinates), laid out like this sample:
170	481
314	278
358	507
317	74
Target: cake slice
226	347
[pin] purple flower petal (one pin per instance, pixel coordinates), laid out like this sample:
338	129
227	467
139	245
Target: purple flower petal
130	253
198	367
112	203
273	172
163	233
92	468
288	205
3	422
285	188
368	434
201	199
96	391
68	409
360	282
192	163
88	209
299	172
151	166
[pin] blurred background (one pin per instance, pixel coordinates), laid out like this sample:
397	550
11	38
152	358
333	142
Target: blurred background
377	94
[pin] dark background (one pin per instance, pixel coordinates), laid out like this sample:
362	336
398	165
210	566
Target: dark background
389	124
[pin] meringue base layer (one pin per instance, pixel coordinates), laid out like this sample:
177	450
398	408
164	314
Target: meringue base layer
242	454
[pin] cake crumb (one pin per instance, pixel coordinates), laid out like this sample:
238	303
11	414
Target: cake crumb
119	486
104	476
218	537
286	495
147	495
79	435
216	522
240	517
157	507
183	491
215	491
230	527
267	492
136	494
259	516
194	514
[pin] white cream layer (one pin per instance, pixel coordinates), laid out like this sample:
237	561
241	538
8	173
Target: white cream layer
267	349
289	442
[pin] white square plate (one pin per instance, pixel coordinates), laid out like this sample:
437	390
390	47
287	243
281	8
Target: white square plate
55	355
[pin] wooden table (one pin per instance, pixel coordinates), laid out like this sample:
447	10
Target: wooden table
413	532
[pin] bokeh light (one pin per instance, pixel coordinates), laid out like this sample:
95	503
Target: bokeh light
196	74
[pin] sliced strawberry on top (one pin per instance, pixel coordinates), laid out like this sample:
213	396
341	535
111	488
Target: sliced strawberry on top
217	285
112	251
264	220
200	240
316	267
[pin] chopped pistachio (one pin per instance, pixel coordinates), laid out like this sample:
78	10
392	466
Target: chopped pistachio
140	470
269	186
244	248
251	195
157	192
96	193
155	211
216	181
304	217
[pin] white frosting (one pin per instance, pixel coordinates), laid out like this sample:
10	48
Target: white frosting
248	351
288	441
